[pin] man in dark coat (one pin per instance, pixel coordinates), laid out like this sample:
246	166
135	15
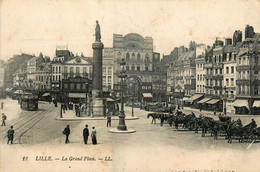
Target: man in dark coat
85	134
253	124
66	131
2	105
108	118
10	135
3	119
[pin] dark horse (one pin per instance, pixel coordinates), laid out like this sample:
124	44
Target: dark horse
205	123
235	128
154	116
179	118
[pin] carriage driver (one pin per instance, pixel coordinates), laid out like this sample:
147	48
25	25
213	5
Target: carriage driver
253	124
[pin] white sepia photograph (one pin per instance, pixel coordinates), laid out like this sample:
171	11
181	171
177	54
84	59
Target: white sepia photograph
130	86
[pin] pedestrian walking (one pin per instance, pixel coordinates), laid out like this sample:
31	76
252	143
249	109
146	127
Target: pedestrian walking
94	136
85	134
2	105
10	135
3	119
66	132
108	118
64	108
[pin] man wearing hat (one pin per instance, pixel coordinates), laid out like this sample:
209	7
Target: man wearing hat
66	131
85	134
10	135
3	119
253	124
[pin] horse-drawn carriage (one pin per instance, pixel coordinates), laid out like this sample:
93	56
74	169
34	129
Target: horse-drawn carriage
159	107
231	130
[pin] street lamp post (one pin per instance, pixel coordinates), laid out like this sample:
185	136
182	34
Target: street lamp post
225	101
61	95
133	100
122	76
87	90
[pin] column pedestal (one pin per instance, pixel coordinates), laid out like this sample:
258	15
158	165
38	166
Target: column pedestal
97	94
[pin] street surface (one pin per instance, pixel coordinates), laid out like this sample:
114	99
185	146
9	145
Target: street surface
151	148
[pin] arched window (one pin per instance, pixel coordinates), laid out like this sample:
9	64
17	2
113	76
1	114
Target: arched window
138	67
127	56
133	55
147	56
127	67
133	67
138	57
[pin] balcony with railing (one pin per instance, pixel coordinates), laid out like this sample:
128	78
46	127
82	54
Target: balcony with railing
243	68
208	65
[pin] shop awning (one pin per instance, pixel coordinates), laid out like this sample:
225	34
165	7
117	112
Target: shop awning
8	89
110	100
77	95
213	101
204	100
240	103
194	97
256	103
46	94
169	93
185	98
147	95
18	92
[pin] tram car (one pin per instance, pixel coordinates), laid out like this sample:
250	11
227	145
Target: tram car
29	102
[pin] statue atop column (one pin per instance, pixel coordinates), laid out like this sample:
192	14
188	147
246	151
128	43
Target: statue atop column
97	32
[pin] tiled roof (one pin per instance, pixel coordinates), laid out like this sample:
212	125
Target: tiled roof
187	55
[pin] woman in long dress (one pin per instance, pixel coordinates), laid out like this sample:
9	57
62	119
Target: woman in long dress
94	136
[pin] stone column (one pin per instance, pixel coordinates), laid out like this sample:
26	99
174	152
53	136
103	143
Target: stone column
97	102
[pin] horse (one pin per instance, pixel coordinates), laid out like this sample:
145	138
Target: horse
179	118
189	121
163	117
235	128
154	116
225	118
205	123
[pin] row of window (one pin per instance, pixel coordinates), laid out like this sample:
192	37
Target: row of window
211	92
73	86
213	82
200	67
187	72
232	70
214	71
243	61
245	89
107	79
107	70
138	68
42	78
200	77
138	56
78	70
244	74
231	82
200	88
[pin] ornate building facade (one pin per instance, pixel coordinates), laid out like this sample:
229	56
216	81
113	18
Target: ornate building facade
142	63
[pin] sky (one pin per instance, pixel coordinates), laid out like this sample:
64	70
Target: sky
34	26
